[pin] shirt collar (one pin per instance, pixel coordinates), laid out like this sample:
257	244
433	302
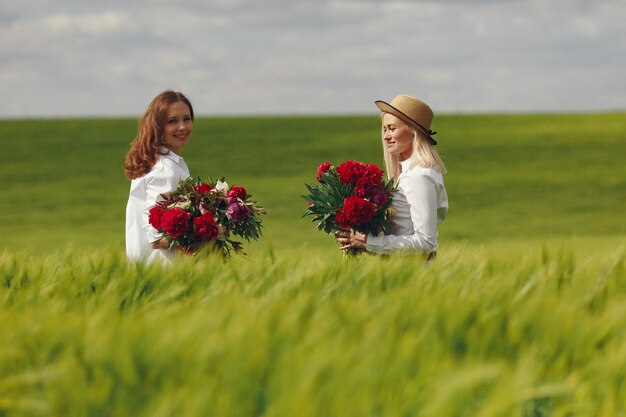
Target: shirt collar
167	153
406	165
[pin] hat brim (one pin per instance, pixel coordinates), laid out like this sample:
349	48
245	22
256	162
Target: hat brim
388	108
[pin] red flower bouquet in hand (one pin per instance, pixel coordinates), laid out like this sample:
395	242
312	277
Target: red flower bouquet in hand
352	196
175	222
199	213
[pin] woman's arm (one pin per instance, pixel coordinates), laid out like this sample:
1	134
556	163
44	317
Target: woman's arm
421	195
158	182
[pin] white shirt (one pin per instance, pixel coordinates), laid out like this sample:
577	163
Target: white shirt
168	170
421	203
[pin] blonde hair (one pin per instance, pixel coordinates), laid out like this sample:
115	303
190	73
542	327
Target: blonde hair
423	154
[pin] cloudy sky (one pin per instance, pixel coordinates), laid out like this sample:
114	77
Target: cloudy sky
109	58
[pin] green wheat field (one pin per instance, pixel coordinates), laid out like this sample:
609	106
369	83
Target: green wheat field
522	314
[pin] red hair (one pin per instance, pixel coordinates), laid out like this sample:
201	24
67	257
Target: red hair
144	150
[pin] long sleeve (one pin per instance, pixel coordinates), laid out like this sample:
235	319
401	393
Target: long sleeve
158	183
423	192
144	194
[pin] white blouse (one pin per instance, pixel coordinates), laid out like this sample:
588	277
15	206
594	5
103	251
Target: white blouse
421	203
169	169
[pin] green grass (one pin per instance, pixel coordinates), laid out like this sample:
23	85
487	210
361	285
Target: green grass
539	332
521	315
510	176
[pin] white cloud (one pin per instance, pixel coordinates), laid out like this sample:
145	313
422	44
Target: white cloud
74	58
85	24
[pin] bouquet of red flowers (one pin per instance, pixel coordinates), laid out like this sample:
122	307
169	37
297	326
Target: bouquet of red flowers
352	196
197	213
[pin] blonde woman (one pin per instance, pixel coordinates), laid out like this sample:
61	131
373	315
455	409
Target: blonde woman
154	166
411	159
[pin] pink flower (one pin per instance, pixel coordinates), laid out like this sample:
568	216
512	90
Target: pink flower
379	198
237	211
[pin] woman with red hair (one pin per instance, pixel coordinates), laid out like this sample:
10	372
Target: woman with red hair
154	166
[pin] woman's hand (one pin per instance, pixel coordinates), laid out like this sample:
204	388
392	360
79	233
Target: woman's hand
160	244
351	239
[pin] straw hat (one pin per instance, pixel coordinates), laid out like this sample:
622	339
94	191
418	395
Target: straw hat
412	111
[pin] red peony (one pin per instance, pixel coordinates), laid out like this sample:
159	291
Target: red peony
350	196
154	216
175	222
205	226
357	211
374	173
203	188
341	220
238	192
321	169
365	187
350	172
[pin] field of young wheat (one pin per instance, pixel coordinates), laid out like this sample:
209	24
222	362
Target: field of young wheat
539	332
510	177
522	314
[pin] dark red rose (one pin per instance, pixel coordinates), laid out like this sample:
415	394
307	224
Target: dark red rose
365	187
175	222
203	188
374	173
321	169
238	192
379	198
357	211
154	216
350	172
205	226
